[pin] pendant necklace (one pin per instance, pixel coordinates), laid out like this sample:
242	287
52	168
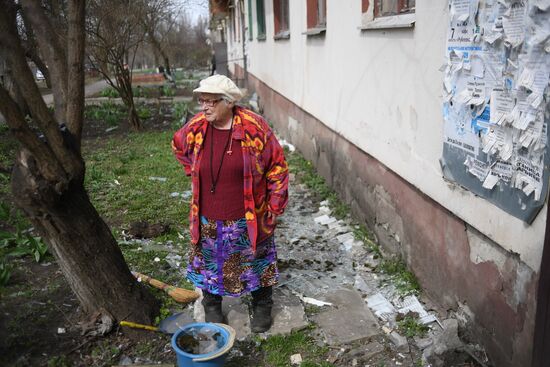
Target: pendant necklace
225	150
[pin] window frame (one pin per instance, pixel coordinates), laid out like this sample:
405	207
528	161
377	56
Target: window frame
281	19
250	20
260	20
372	20
316	12
401	5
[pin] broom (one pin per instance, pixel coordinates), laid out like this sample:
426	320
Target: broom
178	294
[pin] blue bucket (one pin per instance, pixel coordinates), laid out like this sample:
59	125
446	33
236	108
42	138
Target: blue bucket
216	358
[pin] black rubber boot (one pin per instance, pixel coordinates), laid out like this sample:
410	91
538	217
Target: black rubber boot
212	304
262	302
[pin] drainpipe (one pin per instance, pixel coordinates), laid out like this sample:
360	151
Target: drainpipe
243	29
541	340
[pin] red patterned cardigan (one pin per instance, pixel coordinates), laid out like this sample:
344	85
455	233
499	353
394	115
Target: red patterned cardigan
265	170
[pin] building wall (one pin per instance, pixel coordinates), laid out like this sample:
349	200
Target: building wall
365	107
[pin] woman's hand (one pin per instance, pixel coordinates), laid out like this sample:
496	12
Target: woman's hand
271	218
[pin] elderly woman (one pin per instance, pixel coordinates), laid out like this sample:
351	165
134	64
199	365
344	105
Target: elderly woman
239	180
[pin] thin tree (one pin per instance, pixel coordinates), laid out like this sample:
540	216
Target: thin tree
48	176
159	20
115	32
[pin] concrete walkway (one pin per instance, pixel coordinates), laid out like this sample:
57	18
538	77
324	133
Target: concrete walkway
90	89
327	279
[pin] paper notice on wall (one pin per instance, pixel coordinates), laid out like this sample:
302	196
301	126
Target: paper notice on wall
457	130
493	62
498	139
462	10
500	171
534	72
528	176
540	145
502	104
543	5
496	94
482	122
513	23
531	134
461	35
473	94
477	168
477	66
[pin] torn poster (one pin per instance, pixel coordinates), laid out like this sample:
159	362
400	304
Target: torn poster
496	102
528	176
513	23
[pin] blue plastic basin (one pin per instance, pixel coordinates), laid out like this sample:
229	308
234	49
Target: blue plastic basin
186	359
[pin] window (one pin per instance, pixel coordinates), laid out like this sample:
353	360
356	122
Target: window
260	19
383	14
250	29
281	18
384	8
316	16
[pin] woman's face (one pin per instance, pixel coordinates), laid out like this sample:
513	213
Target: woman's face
215	108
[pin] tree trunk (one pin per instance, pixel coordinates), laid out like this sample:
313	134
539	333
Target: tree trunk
167	65
133	117
124	84
82	243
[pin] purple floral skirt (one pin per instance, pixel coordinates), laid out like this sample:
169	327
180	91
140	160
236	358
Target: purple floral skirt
223	262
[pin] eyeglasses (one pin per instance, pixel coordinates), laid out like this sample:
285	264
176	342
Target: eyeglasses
209	102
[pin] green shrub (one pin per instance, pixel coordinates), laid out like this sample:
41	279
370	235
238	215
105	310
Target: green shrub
110	92
141	92
143	112
167	91
108	112
180	111
410	326
405	281
5	272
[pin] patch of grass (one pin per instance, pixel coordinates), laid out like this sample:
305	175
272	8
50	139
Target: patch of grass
405	282
109	92
308	175
141	92
361	233
279	348
315	364
5	272
16	241
118	182
410	327
105	354
59	361
144	111
120	187
180	112
167	91
108	112
311	310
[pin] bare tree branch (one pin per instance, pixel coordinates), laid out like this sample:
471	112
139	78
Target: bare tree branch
32	50
54	55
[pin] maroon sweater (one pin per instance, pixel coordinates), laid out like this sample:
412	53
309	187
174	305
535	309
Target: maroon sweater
227	202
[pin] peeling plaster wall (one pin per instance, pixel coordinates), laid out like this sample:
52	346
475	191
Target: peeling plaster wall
381	90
